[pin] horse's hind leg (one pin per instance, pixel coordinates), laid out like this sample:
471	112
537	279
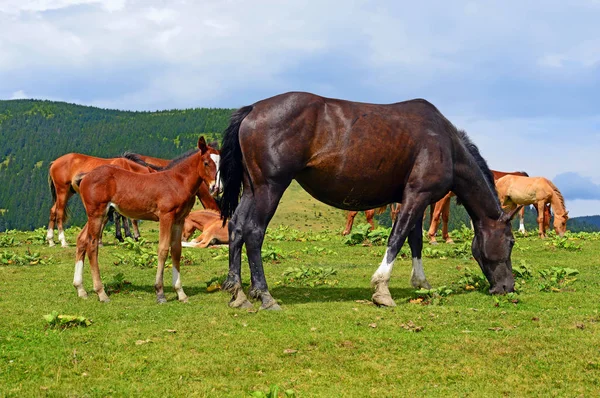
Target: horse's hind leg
445	220
164	241
117	220
79	260
415	241
369	214
136	230
233	283
409	218
94	228
176	257
522	220
126	228
349	222
436	213
261	210
50	233
61	206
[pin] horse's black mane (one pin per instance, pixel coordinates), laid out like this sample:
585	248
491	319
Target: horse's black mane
134	157
474	151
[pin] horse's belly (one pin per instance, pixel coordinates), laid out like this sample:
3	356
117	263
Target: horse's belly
350	193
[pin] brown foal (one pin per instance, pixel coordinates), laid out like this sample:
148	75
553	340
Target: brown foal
166	196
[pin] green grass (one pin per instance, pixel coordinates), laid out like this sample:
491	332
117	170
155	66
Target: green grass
328	341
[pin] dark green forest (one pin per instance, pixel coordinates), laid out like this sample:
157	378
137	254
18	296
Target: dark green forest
33	133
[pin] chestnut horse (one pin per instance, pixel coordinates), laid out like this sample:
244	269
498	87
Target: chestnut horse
355	156
166	196
204	194
209	223
539	191
61	177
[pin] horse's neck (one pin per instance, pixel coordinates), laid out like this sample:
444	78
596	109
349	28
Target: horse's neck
557	204
187	171
471	187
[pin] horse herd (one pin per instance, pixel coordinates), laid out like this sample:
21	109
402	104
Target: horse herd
350	155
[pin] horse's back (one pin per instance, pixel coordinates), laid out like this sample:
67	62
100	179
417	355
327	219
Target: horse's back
339	150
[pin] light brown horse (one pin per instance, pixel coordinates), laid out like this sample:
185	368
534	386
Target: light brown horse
539	191
61	178
166	196
441	211
211	225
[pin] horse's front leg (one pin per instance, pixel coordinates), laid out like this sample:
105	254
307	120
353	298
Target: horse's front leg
409	218
164	241
522	220
136	230
370	214
94	229
233	283
176	257
540	219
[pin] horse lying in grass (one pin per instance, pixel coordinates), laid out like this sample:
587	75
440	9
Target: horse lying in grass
166	196
539	191
210	224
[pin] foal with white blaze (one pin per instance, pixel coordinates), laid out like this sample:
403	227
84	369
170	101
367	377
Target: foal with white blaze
166	196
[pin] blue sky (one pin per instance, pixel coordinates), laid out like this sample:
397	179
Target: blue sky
522	78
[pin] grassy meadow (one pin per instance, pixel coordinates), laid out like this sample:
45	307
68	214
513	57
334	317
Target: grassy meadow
329	340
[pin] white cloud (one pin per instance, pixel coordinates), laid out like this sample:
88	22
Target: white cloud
20	94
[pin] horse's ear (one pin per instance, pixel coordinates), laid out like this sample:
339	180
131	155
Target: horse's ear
513	212
202	145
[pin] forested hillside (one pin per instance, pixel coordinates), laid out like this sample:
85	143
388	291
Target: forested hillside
33	133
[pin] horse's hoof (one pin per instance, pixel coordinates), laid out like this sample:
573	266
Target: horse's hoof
433	242
104	300
64	245
450	242
243	304
421	284
51	244
82	294
161	299
383	300
184	300
271	306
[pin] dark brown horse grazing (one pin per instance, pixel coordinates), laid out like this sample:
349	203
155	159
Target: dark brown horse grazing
355	156
61	177
166	196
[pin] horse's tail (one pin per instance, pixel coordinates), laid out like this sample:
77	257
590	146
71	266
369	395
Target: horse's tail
51	185
231	168
78	178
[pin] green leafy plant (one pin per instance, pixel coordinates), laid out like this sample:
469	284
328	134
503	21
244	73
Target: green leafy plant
358	235
522	270
472	280
271	253
59	321
117	284
462	234
8	241
28	258
557	278
564	243
435	296
506	299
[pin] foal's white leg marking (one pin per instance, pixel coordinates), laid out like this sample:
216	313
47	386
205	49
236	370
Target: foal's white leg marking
61	237
78	279
50	237
384	271
417	276
176	279
522	226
